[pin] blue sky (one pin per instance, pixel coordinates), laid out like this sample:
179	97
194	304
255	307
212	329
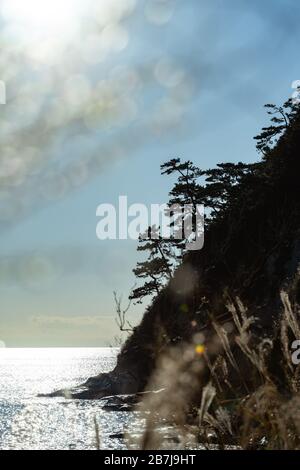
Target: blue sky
92	113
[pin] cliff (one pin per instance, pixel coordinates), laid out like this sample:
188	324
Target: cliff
251	253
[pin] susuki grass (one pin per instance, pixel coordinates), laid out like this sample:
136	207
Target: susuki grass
237	390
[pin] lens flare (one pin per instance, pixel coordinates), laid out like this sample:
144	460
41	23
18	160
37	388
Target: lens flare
200	349
47	15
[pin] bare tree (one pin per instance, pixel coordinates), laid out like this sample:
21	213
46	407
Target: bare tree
121	320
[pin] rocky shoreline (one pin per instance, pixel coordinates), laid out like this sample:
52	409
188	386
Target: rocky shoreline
106	389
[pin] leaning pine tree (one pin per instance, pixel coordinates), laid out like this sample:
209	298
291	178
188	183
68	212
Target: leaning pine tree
157	269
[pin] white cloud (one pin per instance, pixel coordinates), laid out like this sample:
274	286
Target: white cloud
73	321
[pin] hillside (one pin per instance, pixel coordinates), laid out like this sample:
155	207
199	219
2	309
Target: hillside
230	314
251	252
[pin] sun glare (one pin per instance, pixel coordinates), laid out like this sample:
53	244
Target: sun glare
49	16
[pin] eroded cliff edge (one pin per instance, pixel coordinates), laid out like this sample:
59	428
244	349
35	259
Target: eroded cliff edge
252	252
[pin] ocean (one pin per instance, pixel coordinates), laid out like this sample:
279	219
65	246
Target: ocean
28	422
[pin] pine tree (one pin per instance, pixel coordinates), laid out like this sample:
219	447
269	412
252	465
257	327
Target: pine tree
185	190
282	117
157	269
218	190
186	194
216	193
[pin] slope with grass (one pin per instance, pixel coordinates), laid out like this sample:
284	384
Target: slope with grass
251	253
224	323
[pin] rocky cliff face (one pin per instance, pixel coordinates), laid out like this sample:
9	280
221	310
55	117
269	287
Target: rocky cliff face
251	253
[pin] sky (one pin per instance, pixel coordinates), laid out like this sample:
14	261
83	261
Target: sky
97	98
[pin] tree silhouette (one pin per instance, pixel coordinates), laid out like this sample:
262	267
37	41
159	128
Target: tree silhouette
228	187
157	268
213	188
282	116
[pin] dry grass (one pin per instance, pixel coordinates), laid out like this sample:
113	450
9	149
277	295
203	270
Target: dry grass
227	393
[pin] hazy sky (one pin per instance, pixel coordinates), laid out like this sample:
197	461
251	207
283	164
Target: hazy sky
97	99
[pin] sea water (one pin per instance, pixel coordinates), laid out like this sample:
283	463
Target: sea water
29	422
